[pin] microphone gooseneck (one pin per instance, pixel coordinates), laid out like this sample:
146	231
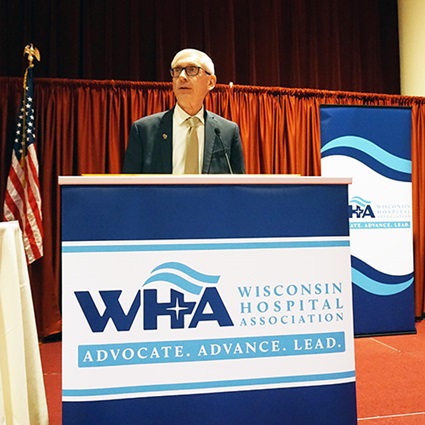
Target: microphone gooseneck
218	133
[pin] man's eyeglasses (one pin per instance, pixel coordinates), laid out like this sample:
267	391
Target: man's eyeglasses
190	71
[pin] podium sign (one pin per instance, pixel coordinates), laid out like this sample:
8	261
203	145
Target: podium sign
206	299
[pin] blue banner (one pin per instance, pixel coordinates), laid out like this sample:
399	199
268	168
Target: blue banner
373	146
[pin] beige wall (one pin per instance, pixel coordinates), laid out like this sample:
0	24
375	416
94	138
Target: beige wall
411	14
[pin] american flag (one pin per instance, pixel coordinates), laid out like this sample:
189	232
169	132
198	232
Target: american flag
22	199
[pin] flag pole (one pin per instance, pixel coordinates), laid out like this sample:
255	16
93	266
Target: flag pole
32	53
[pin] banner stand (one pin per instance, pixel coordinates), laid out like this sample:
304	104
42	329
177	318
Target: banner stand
372	145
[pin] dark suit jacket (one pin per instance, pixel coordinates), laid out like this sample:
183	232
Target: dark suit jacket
150	145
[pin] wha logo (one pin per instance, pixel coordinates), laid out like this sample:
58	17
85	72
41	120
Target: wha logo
360	208
196	300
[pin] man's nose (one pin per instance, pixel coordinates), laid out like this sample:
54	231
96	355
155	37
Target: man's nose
183	76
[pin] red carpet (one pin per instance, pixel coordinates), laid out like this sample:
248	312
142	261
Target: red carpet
390	379
51	359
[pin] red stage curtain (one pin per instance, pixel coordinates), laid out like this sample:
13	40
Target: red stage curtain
82	127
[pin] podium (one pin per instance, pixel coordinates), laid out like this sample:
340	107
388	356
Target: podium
206	300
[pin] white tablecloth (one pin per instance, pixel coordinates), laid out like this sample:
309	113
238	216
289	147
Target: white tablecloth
22	393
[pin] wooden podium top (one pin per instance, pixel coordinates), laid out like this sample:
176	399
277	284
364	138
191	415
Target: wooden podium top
159	179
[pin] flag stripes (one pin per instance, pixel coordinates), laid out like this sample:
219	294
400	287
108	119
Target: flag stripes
22	199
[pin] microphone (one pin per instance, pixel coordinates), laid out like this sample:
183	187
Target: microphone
218	133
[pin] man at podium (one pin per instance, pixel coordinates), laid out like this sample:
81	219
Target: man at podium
186	139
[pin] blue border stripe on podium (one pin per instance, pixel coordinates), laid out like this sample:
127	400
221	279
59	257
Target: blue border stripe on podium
207	385
204	246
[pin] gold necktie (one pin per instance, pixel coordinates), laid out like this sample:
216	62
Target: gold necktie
191	165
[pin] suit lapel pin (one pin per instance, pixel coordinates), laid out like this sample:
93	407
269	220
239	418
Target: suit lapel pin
165	136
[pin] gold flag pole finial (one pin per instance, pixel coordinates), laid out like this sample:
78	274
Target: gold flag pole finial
32	53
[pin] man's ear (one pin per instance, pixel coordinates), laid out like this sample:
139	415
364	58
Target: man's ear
211	82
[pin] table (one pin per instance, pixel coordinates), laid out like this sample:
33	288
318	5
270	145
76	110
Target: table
22	393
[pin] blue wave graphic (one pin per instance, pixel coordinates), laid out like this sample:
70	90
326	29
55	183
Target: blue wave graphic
370	154
188	280
359	201
376	282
